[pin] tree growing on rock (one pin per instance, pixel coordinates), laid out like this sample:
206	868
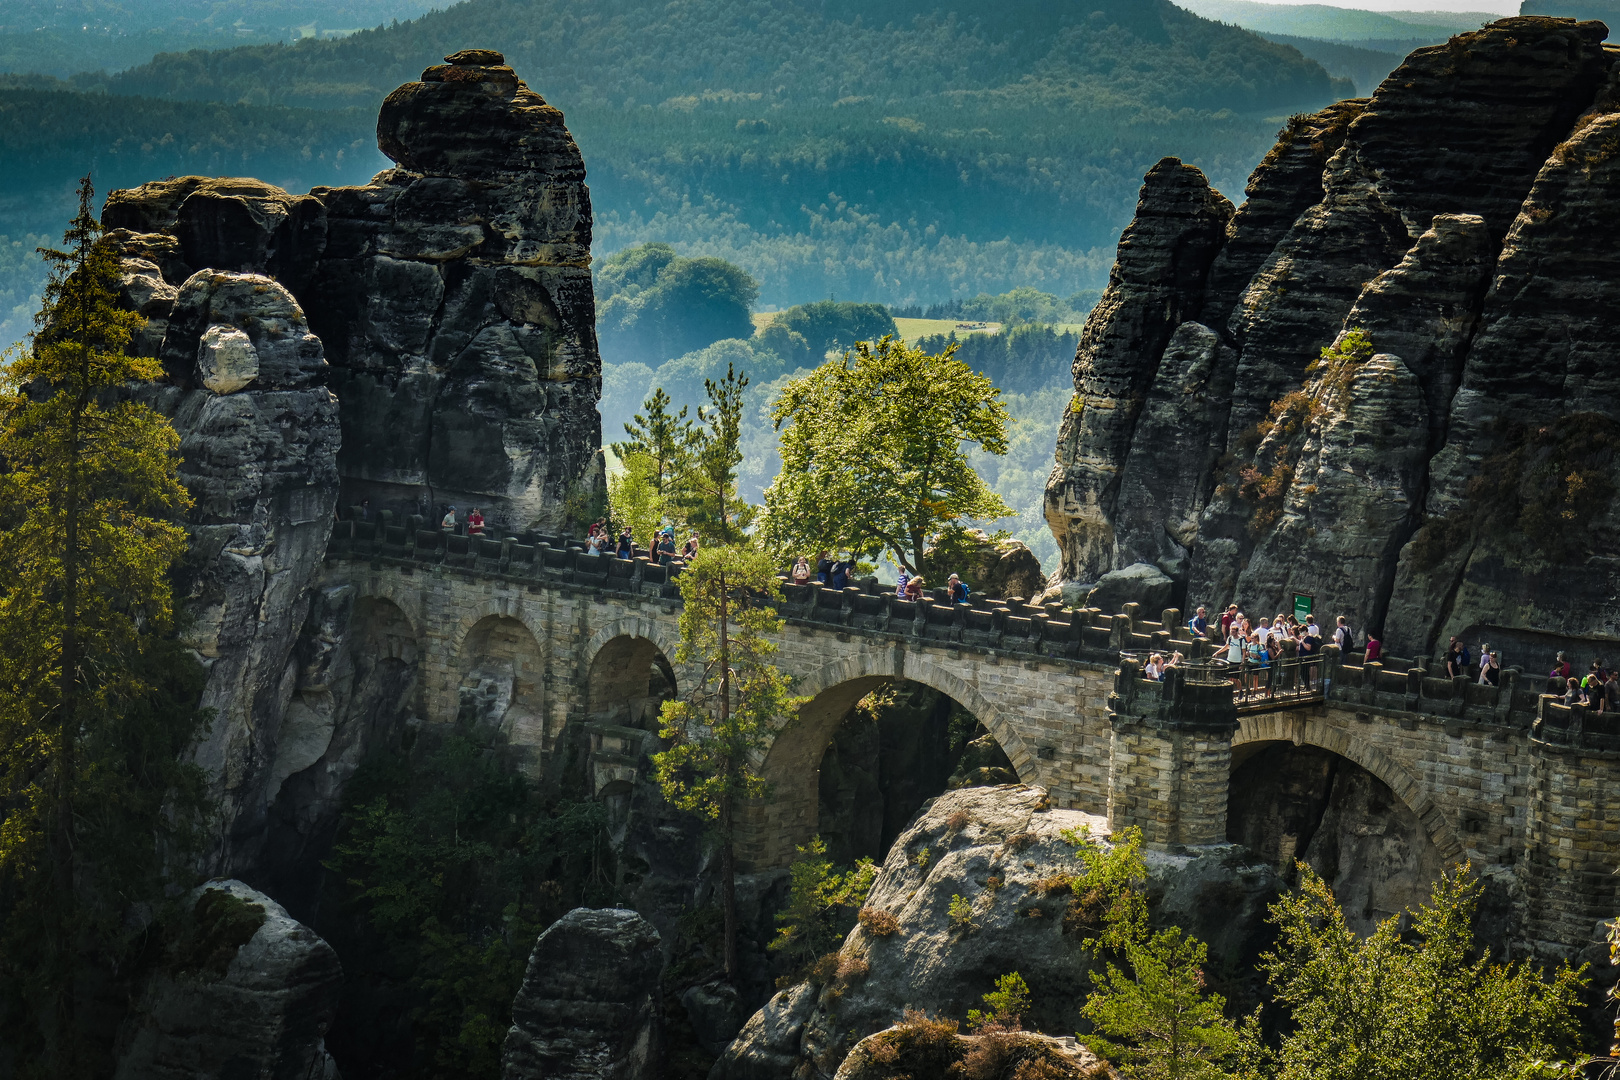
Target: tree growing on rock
736	701
1418	1004
96	699
704	488
874	453
822	903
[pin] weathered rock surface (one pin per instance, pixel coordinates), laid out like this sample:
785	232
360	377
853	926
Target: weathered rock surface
589	1004
452	295
899	1052
1461	218
246	390
1139	583
994	568
1157	282
246	991
993	847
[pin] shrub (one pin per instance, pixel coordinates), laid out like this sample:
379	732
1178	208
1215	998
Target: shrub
1060	882
821	903
957	822
878	923
1004	1006
961	913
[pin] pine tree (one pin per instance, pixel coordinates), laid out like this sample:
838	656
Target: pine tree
706	487
95	703
735	703
661	436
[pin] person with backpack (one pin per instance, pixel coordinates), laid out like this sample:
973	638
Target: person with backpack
1342	637
956	590
1198	625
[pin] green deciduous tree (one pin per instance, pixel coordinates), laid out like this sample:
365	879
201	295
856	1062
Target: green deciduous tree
95	704
634	499
1425	1004
873	453
821	904
737	699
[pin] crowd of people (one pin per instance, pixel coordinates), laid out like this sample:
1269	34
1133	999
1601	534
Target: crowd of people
600	540
838	573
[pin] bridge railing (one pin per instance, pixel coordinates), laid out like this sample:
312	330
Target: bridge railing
1575	726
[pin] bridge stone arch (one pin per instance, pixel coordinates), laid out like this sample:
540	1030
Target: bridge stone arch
615	660
1303	729
771	830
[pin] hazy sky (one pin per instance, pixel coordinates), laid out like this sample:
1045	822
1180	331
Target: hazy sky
1497	7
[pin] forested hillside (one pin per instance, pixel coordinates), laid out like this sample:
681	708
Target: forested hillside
896	152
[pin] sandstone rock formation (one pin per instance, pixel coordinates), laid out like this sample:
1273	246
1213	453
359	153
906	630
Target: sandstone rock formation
427	338
244	990
994	847
589	1005
259	432
1461	221
922	1048
994	568
452	294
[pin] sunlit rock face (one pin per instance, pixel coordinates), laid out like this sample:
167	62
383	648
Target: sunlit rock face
1462	220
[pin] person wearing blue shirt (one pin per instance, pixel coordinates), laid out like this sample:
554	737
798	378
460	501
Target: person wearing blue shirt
957	590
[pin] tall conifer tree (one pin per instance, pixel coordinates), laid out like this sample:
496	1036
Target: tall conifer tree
88	497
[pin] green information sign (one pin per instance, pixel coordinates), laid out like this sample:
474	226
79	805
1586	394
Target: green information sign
1303	605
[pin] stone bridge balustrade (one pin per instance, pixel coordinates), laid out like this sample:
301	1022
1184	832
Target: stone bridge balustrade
1517	784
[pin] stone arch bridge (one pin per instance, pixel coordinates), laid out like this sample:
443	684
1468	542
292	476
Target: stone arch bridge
550	643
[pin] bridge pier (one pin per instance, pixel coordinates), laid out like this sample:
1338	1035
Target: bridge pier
1170	760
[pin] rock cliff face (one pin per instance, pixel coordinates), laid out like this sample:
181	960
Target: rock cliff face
589	1005
244	991
452	294
425	339
1450	240
993	846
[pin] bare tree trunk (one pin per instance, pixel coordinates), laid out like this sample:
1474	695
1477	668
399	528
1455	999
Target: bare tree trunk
728	856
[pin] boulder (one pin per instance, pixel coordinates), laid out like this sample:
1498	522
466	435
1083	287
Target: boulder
1139	583
996	568
243	990
1000	849
715	1015
589	1006
924	1047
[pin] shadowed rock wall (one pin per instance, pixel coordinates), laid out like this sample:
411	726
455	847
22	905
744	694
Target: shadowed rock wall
1456	471
424	339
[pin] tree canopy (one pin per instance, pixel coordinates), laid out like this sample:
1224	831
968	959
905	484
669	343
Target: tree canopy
874	453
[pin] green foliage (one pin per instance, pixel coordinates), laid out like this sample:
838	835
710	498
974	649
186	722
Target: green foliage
95	702
736	701
873	456
207	941
654	305
822	903
960	912
452	860
1417	1005
1027	358
831	325
704	489
1004	1006
1158	1022
1108	903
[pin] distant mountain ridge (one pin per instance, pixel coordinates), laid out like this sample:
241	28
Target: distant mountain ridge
1348	25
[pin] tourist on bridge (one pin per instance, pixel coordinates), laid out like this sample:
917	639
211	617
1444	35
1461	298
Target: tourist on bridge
914	588
1592	686
690	551
475	523
801	571
824	565
448	522
901	581
1490	669
1456	659
1155	668
627	545
1199	624
957	590
1375	648
1342	637
1228	617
